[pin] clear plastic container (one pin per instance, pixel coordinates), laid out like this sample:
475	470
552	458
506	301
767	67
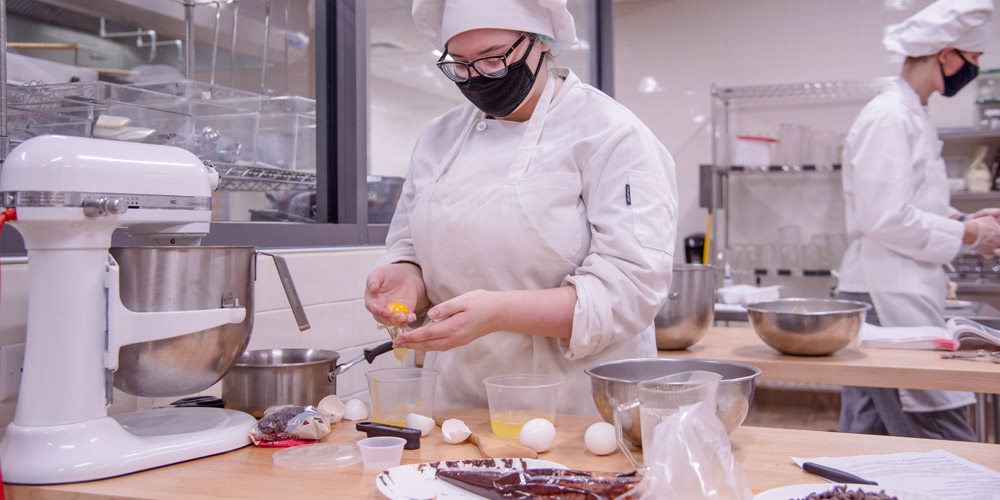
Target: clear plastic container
286	134
192	90
516	399
395	392
380	453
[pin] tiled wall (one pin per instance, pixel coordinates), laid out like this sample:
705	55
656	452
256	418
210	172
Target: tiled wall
669	53
330	283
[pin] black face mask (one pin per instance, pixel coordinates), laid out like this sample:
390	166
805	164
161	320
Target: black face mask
501	96
961	78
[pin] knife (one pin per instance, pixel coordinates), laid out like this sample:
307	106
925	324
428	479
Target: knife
835	475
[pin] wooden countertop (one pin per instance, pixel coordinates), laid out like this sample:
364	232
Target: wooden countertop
249	473
906	368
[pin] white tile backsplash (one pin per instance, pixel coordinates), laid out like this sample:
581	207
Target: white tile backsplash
330	283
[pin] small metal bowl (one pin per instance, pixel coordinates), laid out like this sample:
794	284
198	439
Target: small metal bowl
615	382
808	327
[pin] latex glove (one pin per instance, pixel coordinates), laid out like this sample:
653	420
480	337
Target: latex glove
456	322
988	241
401	282
986	212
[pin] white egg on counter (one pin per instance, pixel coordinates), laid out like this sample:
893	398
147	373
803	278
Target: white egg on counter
355	409
455	431
418	421
333	406
600	439
538	434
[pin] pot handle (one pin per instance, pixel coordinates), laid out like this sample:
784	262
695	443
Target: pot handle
370	354
293	297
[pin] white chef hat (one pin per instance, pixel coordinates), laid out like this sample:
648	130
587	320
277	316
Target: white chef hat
962	24
439	20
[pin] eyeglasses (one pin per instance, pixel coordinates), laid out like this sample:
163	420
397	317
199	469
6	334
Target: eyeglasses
489	66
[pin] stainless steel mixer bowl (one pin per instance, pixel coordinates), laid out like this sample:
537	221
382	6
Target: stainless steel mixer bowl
183	279
690	307
809	327
615	382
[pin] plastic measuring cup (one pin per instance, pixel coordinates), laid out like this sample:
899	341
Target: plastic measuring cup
516	399
380	453
398	391
661	398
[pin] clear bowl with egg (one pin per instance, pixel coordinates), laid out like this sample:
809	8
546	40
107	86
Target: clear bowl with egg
517	398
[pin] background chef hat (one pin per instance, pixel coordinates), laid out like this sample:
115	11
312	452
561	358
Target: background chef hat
439	20
962	24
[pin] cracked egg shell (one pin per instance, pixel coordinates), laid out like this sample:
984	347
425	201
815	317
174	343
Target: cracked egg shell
418	421
355	409
333	406
455	431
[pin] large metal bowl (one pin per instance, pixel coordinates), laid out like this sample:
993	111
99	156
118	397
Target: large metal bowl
690	307
808	327
183	279
616	382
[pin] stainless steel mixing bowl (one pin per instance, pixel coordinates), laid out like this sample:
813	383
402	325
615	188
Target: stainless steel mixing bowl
183	279
690	307
810	327
615	382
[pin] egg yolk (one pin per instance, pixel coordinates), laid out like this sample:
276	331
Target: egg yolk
398	307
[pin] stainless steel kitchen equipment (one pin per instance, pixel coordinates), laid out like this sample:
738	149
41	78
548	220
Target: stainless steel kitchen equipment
809	327
156	279
690	307
616	382
179	279
271	377
70	195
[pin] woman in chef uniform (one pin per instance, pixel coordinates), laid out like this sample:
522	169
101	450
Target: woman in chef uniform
536	225
899	216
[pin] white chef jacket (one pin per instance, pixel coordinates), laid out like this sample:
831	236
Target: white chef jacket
898	220
582	193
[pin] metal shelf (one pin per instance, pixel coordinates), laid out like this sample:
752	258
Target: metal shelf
822	89
968	133
967	196
255	178
778	168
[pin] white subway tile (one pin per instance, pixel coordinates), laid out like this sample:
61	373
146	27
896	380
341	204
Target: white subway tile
13	303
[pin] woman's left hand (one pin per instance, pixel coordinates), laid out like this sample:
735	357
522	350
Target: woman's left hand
456	322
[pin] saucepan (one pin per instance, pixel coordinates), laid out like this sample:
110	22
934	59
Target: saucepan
156	279
271	377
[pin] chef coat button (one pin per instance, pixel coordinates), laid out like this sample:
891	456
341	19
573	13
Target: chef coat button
481	126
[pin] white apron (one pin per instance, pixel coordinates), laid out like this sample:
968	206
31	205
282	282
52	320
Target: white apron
477	235
917	293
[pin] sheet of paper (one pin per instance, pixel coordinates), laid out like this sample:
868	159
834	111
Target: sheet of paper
938	472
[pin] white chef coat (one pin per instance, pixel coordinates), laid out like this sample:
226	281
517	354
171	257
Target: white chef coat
582	193
898	220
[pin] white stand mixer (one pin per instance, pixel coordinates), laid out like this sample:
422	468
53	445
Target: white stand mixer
70	195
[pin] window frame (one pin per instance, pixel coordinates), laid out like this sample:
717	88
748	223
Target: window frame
342	159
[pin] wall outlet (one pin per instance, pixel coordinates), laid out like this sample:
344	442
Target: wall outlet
11	366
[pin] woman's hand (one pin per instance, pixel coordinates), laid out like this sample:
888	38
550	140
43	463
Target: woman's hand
401	282
457	322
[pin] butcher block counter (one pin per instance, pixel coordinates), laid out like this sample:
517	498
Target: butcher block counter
249	473
852	365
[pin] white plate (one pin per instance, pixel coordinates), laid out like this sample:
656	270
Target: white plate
418	481
957	304
798	491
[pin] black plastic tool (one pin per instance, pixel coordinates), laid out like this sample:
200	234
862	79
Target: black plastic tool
835	475
199	402
373	429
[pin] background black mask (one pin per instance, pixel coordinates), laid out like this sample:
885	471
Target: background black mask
501	96
961	78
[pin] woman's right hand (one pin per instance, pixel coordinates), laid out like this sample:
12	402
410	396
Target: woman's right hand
400	282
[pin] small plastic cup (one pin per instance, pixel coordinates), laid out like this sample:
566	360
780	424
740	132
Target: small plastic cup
395	392
380	453
516	399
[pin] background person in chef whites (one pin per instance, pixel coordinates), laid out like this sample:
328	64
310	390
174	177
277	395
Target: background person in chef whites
537	221
898	215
